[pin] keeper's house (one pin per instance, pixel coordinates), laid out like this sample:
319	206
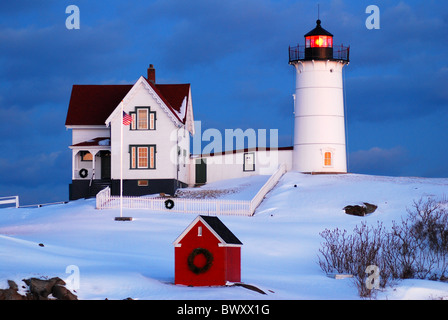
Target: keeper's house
156	145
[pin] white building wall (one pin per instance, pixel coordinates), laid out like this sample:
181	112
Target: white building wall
164	137
85	133
319	117
230	165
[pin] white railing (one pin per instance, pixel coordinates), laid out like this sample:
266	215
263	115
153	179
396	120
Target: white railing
272	181
11	199
104	200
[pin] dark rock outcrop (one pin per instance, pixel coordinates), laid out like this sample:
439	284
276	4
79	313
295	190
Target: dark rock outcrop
38	289
360	210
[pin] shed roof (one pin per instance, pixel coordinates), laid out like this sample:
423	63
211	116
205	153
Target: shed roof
221	230
215	225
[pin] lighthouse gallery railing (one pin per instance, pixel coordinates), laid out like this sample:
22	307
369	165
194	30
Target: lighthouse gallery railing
339	53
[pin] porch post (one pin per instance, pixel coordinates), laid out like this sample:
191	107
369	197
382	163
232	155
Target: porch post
93	153
74	153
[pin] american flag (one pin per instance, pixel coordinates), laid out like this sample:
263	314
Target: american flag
127	119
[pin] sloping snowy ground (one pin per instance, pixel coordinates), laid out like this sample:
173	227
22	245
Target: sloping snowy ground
135	259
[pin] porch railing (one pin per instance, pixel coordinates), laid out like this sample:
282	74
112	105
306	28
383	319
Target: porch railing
104	200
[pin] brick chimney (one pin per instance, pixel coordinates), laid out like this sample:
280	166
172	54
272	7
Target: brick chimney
151	74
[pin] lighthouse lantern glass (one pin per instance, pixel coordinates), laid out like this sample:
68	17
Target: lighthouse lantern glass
319	42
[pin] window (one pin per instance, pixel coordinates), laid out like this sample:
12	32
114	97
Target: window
199	231
143	119
319	42
134	120
142	183
327	159
86	156
249	162
143	157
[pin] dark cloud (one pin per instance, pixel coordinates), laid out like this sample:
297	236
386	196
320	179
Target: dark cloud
379	161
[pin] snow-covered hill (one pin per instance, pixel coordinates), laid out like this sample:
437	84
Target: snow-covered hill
135	259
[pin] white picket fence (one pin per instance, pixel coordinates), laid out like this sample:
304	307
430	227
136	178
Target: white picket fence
11	199
104	200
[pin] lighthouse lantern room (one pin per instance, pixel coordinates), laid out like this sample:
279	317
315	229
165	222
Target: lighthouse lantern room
319	126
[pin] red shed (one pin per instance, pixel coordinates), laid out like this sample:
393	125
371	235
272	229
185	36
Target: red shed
207	253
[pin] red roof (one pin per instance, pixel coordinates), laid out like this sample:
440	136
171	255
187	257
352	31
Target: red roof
93	104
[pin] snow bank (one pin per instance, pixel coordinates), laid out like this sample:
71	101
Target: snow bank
135	259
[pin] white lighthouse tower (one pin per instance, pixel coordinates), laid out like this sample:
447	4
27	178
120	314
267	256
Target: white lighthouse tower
319	126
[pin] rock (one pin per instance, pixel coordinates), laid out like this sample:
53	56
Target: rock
370	208
11	293
358	210
38	289
62	293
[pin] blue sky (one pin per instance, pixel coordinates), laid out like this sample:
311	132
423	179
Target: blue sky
235	55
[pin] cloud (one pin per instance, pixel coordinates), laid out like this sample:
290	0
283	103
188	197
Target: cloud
379	161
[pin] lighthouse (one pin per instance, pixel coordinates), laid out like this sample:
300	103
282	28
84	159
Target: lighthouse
319	125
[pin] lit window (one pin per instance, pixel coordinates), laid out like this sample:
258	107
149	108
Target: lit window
142	183
133	158
327	159
152	159
86	156
319	42
152	121
143	157
142	119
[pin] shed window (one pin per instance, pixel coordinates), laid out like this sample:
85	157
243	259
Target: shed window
199	231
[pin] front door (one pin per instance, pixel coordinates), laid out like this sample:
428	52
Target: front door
201	171
105	165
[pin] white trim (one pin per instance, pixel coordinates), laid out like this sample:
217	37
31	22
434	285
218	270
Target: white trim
86	127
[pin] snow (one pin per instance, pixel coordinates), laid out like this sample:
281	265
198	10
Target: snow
183	109
135	259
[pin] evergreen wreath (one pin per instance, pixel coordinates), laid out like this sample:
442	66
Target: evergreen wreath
209	260
83	173
169	204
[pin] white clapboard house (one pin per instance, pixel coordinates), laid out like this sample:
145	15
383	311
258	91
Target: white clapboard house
156	144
